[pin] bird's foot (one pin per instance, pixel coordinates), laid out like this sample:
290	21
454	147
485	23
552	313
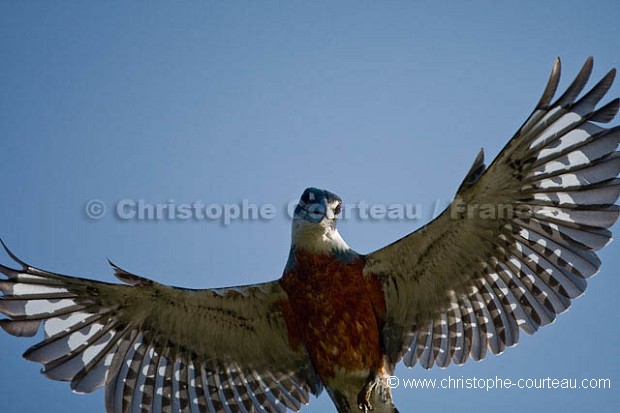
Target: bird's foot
384	392
363	397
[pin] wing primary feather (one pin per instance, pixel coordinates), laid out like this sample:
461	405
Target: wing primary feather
13	256
589	101
577	85
606	113
552	85
105	356
20	328
67	366
31	353
589	145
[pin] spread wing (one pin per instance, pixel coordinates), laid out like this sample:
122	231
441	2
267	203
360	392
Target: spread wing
517	243
159	348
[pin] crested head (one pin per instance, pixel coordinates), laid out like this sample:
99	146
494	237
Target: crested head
314	222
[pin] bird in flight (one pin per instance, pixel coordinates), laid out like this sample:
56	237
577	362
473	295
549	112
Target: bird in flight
511	251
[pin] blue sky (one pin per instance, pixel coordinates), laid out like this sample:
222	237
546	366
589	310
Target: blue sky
220	102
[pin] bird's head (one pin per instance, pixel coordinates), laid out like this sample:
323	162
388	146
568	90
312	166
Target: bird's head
318	207
314	221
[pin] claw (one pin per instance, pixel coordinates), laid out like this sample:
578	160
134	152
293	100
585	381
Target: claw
363	397
365	407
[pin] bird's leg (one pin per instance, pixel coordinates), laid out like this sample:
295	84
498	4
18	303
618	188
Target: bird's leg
363	397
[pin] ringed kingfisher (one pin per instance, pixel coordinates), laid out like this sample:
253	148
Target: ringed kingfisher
508	255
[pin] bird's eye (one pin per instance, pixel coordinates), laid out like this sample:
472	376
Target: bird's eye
337	209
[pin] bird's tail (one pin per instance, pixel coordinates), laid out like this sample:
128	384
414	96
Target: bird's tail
352	407
379	403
